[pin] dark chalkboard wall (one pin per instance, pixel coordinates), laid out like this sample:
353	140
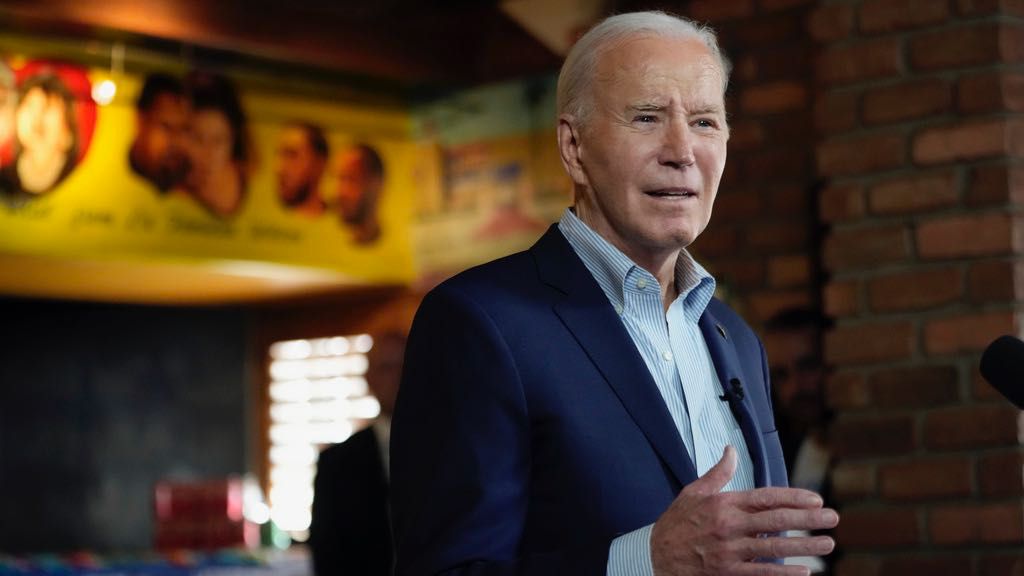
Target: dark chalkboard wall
97	402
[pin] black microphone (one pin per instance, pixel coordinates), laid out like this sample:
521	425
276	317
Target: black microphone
734	396
1002	365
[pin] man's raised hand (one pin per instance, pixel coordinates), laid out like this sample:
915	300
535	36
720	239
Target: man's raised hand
706	531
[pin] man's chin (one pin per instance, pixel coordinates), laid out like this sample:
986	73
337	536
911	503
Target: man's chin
679	239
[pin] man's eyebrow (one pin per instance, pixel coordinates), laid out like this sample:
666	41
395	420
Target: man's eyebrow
711	109
646	107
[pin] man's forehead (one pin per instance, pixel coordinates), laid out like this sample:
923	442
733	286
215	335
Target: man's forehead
646	63
646	47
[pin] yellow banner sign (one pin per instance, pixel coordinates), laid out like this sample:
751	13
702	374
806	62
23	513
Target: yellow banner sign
190	168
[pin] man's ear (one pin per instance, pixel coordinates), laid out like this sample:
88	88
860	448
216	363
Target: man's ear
569	148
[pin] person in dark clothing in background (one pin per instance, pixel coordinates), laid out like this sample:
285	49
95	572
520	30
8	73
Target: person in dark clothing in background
793	338
351	528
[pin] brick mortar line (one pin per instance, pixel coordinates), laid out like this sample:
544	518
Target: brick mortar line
954	20
912	220
946	74
916	125
893	173
920	318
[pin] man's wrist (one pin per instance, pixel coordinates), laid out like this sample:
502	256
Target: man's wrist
630	554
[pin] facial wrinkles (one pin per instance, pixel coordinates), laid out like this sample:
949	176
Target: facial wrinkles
682	91
648	80
674	94
712	104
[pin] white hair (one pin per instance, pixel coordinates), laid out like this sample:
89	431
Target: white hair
574	95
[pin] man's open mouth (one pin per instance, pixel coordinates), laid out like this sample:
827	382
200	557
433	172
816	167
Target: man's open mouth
672	193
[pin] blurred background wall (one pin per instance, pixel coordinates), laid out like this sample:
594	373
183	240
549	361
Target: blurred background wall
99	402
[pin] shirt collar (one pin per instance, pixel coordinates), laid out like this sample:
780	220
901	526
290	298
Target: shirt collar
610	268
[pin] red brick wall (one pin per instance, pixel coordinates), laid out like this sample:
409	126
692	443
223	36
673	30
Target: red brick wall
761	243
917	106
910	112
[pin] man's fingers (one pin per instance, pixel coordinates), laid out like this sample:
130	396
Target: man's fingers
770	498
717	477
784	547
782	519
757	569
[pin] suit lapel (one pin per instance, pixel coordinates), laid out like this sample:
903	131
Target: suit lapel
723	354
586	312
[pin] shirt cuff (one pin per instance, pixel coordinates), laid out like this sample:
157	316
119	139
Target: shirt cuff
630	554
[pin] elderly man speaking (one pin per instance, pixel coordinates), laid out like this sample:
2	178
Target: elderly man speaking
587	406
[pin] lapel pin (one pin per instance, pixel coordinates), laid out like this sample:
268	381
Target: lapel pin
721	330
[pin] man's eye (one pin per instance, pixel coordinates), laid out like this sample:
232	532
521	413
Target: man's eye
645	118
705	123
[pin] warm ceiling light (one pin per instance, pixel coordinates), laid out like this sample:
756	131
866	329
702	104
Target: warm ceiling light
103	93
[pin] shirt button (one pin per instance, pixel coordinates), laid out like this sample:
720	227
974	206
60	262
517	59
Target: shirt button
667	355
641	283
618	309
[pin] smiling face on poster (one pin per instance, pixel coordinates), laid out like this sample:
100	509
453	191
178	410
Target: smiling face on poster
218	147
46	125
46	135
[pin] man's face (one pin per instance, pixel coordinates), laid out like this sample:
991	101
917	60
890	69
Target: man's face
652	151
797	376
298	166
357	188
163	138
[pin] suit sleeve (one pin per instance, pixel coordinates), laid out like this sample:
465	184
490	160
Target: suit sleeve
460	452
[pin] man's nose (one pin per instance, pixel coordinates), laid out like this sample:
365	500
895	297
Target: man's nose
678	149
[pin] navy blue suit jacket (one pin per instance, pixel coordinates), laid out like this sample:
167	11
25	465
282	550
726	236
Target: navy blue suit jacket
529	433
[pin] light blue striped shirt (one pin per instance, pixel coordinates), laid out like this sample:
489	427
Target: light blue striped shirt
674	350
